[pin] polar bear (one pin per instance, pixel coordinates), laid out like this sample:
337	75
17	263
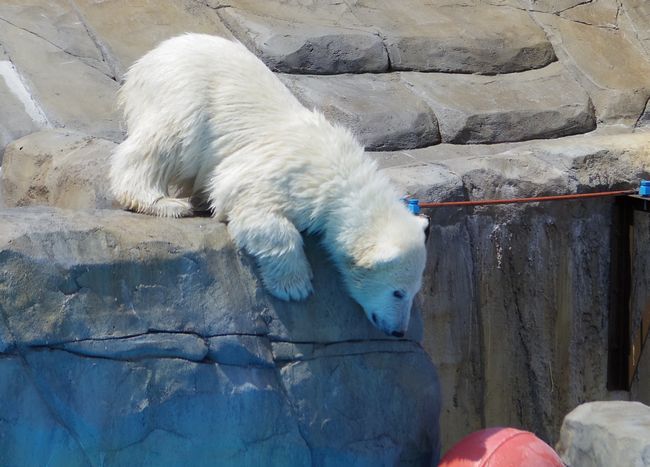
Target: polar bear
208	123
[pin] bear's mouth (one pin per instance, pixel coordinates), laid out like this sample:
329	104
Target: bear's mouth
378	325
375	321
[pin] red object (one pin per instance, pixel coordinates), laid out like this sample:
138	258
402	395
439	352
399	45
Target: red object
501	447
537	199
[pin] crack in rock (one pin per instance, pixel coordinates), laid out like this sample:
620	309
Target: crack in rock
86	60
157	345
107	57
294	412
256	352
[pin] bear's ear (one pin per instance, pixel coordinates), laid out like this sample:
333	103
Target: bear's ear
381	253
425	221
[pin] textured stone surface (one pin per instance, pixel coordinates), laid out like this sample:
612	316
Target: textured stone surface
18	115
380	111
637	20
68	410
175	317
552	6
292	47
447	36
515	297
338	37
65	74
125	30
58	168
576	163
341	429
480	268
154	345
55	22
305	37
640	304
241	350
596	56
603	434
480	109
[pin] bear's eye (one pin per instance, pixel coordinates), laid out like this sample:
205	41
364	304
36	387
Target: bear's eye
398	294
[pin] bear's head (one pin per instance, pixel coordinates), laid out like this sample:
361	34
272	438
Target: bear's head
385	275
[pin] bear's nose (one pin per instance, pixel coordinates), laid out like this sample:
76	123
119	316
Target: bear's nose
397	334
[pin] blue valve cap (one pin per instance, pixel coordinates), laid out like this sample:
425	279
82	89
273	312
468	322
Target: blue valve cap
644	188
414	206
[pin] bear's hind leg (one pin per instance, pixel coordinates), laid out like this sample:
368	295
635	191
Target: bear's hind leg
277	246
166	206
140	187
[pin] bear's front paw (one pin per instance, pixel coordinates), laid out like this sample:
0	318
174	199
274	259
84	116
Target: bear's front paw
288	285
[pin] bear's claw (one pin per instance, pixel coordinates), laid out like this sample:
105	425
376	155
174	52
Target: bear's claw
290	289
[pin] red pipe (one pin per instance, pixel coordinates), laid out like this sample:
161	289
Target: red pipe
538	199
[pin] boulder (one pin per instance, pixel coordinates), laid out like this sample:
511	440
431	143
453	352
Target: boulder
203	366
380	111
57	168
602	434
545	103
452	37
307	47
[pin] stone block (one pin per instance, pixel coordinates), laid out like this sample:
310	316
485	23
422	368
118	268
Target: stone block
544	103
292	46
379	110
57	168
602	434
475	37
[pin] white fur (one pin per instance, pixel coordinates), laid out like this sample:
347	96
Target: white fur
209	123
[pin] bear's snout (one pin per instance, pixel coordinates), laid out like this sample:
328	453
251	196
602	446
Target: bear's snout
380	324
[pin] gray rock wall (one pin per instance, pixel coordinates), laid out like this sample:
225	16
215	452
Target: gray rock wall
517	298
130	340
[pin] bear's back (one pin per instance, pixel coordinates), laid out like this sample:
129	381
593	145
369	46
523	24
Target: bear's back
199	73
